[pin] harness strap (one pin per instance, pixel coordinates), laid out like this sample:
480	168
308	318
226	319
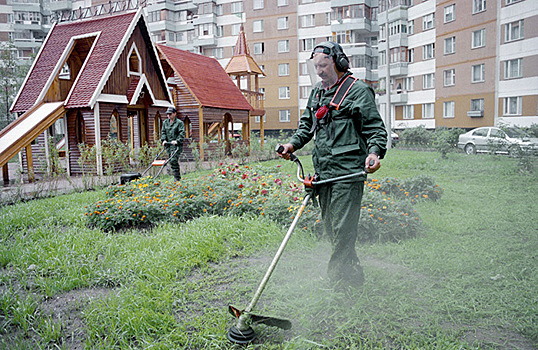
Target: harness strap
342	91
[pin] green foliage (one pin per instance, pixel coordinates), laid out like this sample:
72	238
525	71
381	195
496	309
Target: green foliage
416	136
532	130
445	140
115	156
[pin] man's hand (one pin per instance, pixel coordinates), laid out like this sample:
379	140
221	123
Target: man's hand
174	142
372	163
287	150
164	143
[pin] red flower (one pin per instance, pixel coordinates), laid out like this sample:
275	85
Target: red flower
322	112
223	172
264	192
241	186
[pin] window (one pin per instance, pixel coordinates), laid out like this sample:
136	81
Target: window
283	46
257	119
479	6
448	109
284	115
513	31
409	84
411	27
428	81
114	123
236	28
303	69
513	68
409	112
479	38
282	3
512	105
284	93
262	91
134	62
258	4
205	29
258	48
478	73
450	13
449	77
257	26
307	1
65	73
510	2
237	7
477	104
428	21
428	111
219	10
308	21
342	37
218	52
411	55
219	31
284	69
327	18
428	51
450	45
304	91
282	23
308	44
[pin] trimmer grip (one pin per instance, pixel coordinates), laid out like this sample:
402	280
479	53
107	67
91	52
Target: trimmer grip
279	149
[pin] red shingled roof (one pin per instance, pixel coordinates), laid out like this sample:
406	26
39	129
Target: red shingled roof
206	78
112	31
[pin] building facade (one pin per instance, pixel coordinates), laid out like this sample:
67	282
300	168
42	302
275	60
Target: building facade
459	63
452	63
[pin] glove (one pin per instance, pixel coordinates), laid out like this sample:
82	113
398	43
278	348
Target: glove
164	143
174	143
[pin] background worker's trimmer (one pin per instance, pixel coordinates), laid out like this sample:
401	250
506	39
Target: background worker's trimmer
242	332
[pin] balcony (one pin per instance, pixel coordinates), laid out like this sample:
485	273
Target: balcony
362	25
206	40
475	114
61	5
396	69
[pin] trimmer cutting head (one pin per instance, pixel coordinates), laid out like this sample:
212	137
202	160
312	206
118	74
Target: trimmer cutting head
241	337
242	333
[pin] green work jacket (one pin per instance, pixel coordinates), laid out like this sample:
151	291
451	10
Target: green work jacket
344	137
173	131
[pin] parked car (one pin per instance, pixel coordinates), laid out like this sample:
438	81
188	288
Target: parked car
507	140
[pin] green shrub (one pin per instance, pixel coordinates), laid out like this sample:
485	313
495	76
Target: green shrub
416	136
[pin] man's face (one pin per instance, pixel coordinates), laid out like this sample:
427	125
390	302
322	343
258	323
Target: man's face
171	116
325	69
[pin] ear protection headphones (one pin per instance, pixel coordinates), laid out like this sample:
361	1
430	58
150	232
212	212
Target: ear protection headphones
335	51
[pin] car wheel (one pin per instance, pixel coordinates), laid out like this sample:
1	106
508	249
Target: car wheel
470	149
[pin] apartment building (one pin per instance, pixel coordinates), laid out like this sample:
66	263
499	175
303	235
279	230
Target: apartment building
459	63
517	62
25	23
447	63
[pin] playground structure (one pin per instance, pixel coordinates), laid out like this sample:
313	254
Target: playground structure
103	79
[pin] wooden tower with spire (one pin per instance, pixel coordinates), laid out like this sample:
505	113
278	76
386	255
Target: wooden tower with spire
243	65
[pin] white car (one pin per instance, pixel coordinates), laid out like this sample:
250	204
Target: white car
507	140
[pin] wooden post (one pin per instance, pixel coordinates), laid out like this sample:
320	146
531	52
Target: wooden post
201	131
5	172
30	163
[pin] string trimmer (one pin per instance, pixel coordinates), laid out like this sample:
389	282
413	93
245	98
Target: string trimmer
241	332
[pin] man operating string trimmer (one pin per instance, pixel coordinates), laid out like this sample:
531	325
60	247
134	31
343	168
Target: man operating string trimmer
349	137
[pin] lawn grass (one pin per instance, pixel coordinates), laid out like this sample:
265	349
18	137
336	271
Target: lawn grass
468	281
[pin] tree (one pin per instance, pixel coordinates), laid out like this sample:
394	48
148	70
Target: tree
12	73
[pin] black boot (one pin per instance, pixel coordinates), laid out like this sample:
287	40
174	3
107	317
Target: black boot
177	175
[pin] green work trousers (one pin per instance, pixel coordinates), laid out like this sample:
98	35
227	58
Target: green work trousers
340	209
174	161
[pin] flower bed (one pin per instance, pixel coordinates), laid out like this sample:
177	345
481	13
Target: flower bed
232	189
